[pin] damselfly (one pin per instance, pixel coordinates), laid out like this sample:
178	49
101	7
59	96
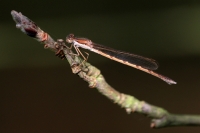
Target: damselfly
139	62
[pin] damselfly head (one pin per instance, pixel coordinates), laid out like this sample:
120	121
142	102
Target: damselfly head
70	38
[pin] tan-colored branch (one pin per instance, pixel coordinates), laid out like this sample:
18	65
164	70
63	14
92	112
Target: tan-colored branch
160	117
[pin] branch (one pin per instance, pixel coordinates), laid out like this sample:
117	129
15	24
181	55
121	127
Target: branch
160	117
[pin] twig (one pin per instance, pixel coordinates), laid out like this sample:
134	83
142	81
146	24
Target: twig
160	117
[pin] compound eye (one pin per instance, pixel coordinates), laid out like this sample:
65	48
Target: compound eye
71	35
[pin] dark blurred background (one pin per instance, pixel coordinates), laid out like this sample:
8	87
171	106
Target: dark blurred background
39	93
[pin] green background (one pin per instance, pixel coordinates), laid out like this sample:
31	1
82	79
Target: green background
39	94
